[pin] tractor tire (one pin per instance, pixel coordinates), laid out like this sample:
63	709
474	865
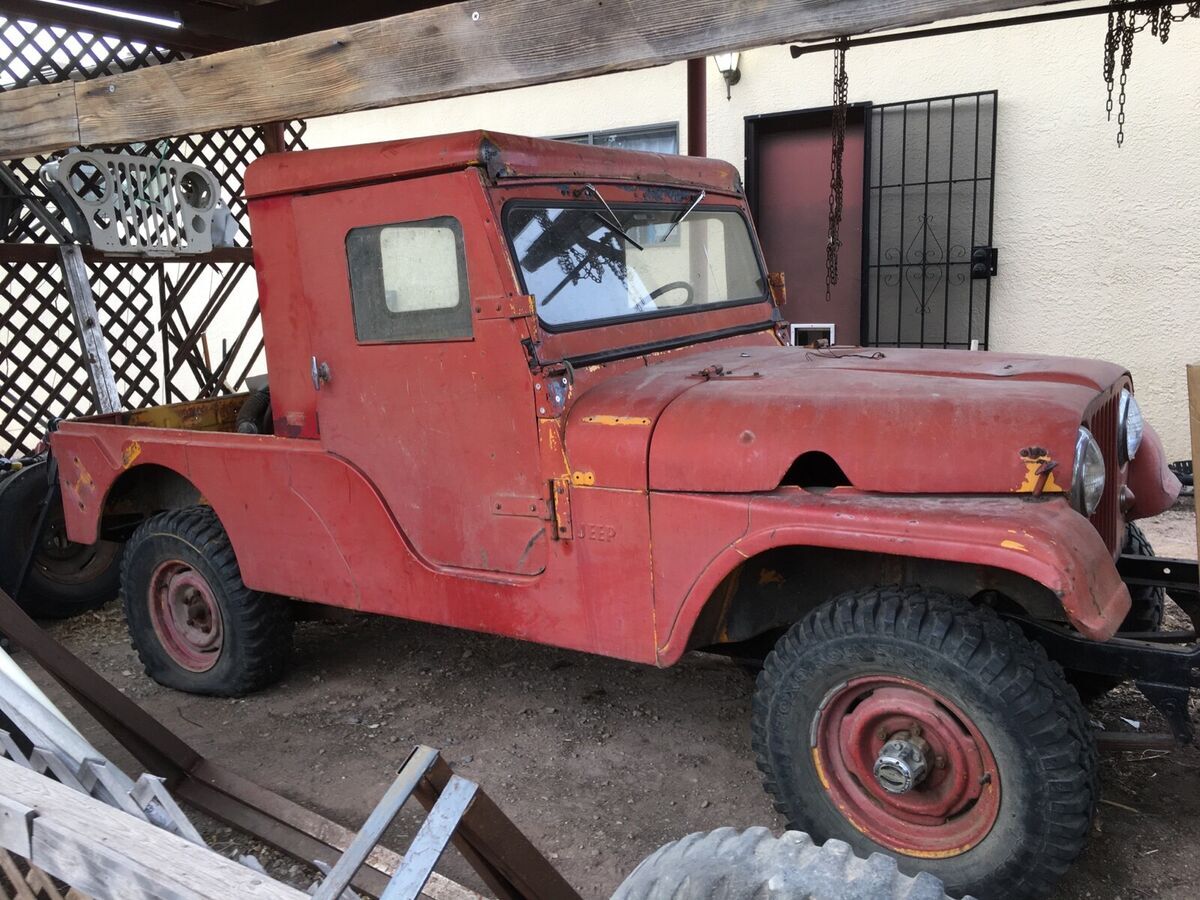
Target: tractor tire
66	578
728	864
196	627
909	722
1145	614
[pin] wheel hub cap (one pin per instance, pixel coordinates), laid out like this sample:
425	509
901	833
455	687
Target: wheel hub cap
901	765
186	617
906	766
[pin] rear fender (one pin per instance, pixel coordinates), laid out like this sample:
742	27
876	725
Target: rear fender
1043	540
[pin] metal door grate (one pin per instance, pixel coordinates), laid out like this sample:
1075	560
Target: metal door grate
928	255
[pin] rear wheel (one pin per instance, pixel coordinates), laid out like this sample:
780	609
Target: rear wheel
908	722
66	578
195	625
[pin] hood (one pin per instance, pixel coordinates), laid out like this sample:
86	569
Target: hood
897	421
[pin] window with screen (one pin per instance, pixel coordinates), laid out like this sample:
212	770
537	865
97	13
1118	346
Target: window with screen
651	138
408	281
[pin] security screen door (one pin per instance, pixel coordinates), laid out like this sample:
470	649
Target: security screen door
929	259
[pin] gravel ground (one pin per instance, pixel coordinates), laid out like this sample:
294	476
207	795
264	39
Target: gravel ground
598	761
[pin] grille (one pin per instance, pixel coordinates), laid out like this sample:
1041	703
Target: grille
1107	518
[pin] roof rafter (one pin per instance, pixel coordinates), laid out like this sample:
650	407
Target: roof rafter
454	50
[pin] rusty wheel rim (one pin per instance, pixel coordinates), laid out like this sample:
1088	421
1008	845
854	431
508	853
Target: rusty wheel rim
858	733
186	616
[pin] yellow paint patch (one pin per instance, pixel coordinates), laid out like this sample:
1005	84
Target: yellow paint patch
129	453
1014	545
1029	485
816	755
617	420
583	479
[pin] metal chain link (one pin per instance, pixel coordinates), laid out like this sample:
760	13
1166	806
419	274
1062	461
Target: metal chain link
1122	26
840	93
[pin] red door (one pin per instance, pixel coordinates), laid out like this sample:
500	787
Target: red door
428	393
787	180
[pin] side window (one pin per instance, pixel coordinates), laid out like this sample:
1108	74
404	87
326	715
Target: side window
408	281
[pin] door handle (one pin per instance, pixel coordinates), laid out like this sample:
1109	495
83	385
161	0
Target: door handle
320	374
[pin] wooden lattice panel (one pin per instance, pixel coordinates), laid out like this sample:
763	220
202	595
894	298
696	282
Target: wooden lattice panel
21	881
151	315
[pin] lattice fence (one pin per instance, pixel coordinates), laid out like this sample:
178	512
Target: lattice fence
175	331
21	881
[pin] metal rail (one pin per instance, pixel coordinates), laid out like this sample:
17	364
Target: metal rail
799	50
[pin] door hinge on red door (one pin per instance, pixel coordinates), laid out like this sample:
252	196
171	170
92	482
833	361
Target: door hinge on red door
563	528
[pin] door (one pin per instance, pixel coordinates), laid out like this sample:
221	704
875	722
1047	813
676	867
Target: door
787	183
421	384
930	260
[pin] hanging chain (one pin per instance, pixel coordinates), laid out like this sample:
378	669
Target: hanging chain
834	243
1122	26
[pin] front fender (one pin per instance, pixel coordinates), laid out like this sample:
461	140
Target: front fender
1044	540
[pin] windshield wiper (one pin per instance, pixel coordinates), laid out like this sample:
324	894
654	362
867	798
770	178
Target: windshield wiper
685	214
614	223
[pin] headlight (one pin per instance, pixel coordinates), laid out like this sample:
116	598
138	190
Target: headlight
1130	426
1087	479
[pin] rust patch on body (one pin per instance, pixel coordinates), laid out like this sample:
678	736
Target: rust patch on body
1039	473
617	420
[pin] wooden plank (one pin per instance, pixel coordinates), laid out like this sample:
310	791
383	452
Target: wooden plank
1193	382
448	51
45	117
87	326
16	826
108	854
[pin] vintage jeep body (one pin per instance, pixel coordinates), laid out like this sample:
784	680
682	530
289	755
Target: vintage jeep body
541	390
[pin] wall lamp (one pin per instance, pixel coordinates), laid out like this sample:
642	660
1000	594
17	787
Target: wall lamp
727	65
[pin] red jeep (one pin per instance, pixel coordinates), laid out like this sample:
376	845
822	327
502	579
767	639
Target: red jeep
543	390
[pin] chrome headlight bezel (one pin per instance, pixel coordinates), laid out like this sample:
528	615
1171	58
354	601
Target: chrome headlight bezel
1088	475
1131	426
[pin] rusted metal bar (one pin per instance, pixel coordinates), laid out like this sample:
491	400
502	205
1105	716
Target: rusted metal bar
35	253
495	847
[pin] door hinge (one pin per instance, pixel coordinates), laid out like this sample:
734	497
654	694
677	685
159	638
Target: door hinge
984	262
561	501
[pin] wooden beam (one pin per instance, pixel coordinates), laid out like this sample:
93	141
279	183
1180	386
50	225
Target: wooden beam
449	51
110	854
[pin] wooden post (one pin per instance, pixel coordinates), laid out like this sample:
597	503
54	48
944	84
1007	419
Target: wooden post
87	326
1193	380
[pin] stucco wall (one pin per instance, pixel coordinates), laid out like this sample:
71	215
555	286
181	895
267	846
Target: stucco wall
1099	250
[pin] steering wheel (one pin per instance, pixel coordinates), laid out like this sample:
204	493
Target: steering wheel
675	286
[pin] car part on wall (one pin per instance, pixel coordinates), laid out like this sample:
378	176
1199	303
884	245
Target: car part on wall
140	204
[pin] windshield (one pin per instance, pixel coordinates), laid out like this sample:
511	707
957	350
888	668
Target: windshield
584	263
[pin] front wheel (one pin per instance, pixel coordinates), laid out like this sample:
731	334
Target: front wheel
909	722
195	625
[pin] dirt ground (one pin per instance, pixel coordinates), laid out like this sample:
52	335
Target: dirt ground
598	761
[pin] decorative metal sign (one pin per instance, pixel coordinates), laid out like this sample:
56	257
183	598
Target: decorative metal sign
140	204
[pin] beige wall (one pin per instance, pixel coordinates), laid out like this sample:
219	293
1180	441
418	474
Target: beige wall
1099	247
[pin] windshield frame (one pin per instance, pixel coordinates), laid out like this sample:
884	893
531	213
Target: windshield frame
618	206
